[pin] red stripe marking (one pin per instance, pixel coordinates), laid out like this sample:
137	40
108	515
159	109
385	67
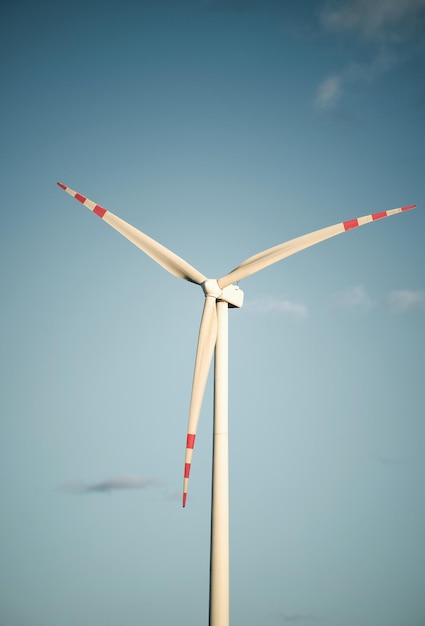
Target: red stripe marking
80	198
99	210
62	185
407	208
350	224
190	441
184	499
186	470
377	216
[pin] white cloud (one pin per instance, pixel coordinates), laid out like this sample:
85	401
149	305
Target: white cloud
407	300
277	306
329	92
354	298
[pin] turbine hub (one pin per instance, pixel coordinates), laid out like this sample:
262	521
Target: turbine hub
230	294
211	288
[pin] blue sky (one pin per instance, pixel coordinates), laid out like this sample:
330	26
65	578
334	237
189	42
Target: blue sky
220	128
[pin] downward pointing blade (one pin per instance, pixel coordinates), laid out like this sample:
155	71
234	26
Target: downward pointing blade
206	343
283	250
159	253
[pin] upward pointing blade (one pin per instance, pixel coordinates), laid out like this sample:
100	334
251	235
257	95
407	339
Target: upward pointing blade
283	250
206	343
159	253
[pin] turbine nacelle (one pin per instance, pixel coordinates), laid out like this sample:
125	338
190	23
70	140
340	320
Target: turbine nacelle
230	294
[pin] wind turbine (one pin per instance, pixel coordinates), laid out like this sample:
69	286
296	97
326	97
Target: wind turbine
213	335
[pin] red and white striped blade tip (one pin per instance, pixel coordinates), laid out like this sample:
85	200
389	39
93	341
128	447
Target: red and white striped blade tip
349	224
190	444
100	211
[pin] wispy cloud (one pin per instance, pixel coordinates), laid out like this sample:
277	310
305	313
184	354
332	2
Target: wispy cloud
118	483
400	301
298	618
239	5
381	26
329	92
405	300
355	299
277	306
389	20
389	460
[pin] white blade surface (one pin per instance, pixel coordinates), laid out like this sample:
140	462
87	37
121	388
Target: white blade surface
159	253
283	250
206	343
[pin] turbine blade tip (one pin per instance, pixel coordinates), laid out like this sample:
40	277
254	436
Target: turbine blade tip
184	499
61	185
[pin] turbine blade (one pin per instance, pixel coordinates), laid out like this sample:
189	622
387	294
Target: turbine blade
206	343
159	253
283	250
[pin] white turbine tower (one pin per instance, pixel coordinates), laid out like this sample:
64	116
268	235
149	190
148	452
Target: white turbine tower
219	296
